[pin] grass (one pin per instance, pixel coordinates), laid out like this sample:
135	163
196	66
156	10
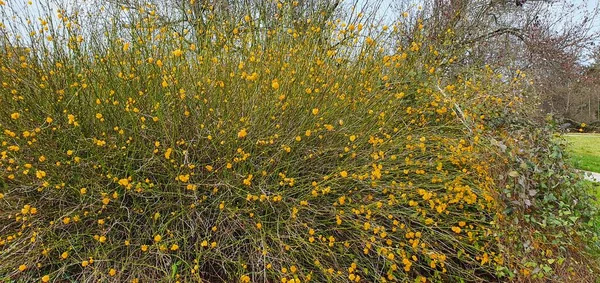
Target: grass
585	151
594	188
585	154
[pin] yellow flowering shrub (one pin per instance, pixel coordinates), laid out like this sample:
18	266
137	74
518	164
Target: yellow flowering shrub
262	146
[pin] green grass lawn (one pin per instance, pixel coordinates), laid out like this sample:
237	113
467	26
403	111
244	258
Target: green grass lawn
594	187
585	151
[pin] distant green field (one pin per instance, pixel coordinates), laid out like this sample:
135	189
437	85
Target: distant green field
585	151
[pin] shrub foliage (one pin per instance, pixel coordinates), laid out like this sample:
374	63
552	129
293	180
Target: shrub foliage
273	148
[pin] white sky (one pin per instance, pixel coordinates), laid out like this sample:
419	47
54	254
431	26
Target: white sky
581	9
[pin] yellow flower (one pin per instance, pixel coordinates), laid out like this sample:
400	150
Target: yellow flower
112	272
157	238
22	267
352	138
456	229
64	255
177	52
242	134
174	247
248	181
49	120
168	153
144	248
40	174
344	174
275	84
370	41
83	191
46	278
184	178
85	263
315	111
15	116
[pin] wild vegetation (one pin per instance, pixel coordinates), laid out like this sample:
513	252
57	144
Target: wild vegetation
274	141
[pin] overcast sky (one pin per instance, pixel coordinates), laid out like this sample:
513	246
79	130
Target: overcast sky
582	8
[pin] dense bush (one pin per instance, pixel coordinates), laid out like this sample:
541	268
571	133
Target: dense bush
254	149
